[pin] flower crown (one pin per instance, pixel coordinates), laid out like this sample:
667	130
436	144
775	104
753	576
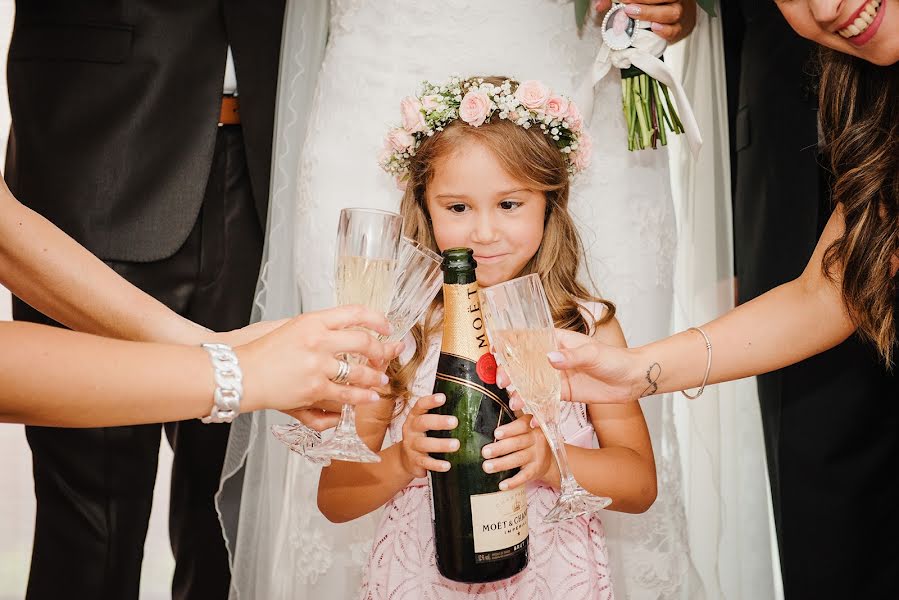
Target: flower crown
527	104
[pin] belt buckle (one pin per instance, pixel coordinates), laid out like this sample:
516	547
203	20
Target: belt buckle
230	111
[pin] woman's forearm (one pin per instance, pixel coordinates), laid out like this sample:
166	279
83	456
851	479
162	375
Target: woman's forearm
347	491
46	268
790	323
45	380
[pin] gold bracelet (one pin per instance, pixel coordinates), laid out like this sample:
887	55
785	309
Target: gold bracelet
708	365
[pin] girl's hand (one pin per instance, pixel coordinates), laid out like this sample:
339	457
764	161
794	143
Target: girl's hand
519	445
671	19
416	444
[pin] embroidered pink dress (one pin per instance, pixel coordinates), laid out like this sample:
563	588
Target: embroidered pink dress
568	560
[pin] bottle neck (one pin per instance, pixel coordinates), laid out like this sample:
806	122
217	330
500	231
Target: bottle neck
459	277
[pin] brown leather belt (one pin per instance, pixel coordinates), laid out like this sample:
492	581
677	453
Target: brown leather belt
230	114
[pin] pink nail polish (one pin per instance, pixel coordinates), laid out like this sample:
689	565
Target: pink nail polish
655	26
557	357
632	9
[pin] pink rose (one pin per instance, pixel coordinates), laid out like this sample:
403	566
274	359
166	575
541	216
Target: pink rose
430	102
557	107
574	118
532	94
580	158
413	120
400	139
475	108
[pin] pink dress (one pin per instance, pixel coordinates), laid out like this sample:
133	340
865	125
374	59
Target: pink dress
568	560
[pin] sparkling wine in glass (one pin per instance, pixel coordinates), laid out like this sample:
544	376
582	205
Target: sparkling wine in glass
417	279
522	332
367	244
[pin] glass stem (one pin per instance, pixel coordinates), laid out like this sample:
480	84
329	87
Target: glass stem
557	445
347	423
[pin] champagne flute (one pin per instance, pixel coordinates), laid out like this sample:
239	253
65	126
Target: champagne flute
522	331
417	280
367	243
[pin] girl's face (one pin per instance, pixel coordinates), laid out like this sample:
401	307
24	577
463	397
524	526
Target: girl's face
474	203
868	29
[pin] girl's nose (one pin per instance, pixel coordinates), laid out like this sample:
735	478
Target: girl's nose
485	232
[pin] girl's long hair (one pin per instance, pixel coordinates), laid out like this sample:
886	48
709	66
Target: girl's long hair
859	113
528	156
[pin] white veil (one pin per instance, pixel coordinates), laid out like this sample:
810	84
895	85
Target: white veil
280	546
722	447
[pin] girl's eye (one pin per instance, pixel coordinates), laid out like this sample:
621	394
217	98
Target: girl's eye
457	208
509	204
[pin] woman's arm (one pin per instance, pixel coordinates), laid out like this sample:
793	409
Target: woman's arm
622	468
790	323
46	268
51	376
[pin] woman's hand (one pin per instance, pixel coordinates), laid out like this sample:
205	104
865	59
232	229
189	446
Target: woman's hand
417	446
293	366
592	372
520	446
671	19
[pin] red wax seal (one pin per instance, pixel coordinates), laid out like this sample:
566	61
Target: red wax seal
486	368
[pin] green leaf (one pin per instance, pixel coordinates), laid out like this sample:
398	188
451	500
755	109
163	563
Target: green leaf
581	8
708	6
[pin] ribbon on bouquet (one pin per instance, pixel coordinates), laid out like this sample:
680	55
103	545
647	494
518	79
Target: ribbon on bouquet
644	54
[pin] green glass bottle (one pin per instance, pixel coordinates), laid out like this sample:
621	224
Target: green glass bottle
480	532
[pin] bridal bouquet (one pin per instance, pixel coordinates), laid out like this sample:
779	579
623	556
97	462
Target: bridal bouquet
637	51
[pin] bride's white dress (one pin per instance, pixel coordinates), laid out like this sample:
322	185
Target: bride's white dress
379	51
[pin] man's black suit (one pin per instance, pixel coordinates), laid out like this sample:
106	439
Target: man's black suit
115	138
831	422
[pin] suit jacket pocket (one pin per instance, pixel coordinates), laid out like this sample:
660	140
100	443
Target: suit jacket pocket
99	42
742	138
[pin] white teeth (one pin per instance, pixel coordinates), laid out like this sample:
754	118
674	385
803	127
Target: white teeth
864	19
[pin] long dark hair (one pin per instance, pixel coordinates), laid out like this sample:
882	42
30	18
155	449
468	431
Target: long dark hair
859	112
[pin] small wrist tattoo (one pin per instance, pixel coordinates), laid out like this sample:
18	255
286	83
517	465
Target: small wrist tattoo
652	377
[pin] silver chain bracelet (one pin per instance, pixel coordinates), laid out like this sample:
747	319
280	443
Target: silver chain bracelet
228	384
708	365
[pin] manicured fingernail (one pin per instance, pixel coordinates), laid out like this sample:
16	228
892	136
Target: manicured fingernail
454	444
655	26
498	434
439	398
503	485
632	9
444	466
511	388
452	422
555	357
487	452
384	379
375	396
488	467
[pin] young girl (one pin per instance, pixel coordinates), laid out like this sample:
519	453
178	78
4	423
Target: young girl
486	165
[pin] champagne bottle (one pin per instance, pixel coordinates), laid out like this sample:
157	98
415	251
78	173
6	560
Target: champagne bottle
480	532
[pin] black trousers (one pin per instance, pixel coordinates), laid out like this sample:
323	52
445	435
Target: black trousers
94	487
831	426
